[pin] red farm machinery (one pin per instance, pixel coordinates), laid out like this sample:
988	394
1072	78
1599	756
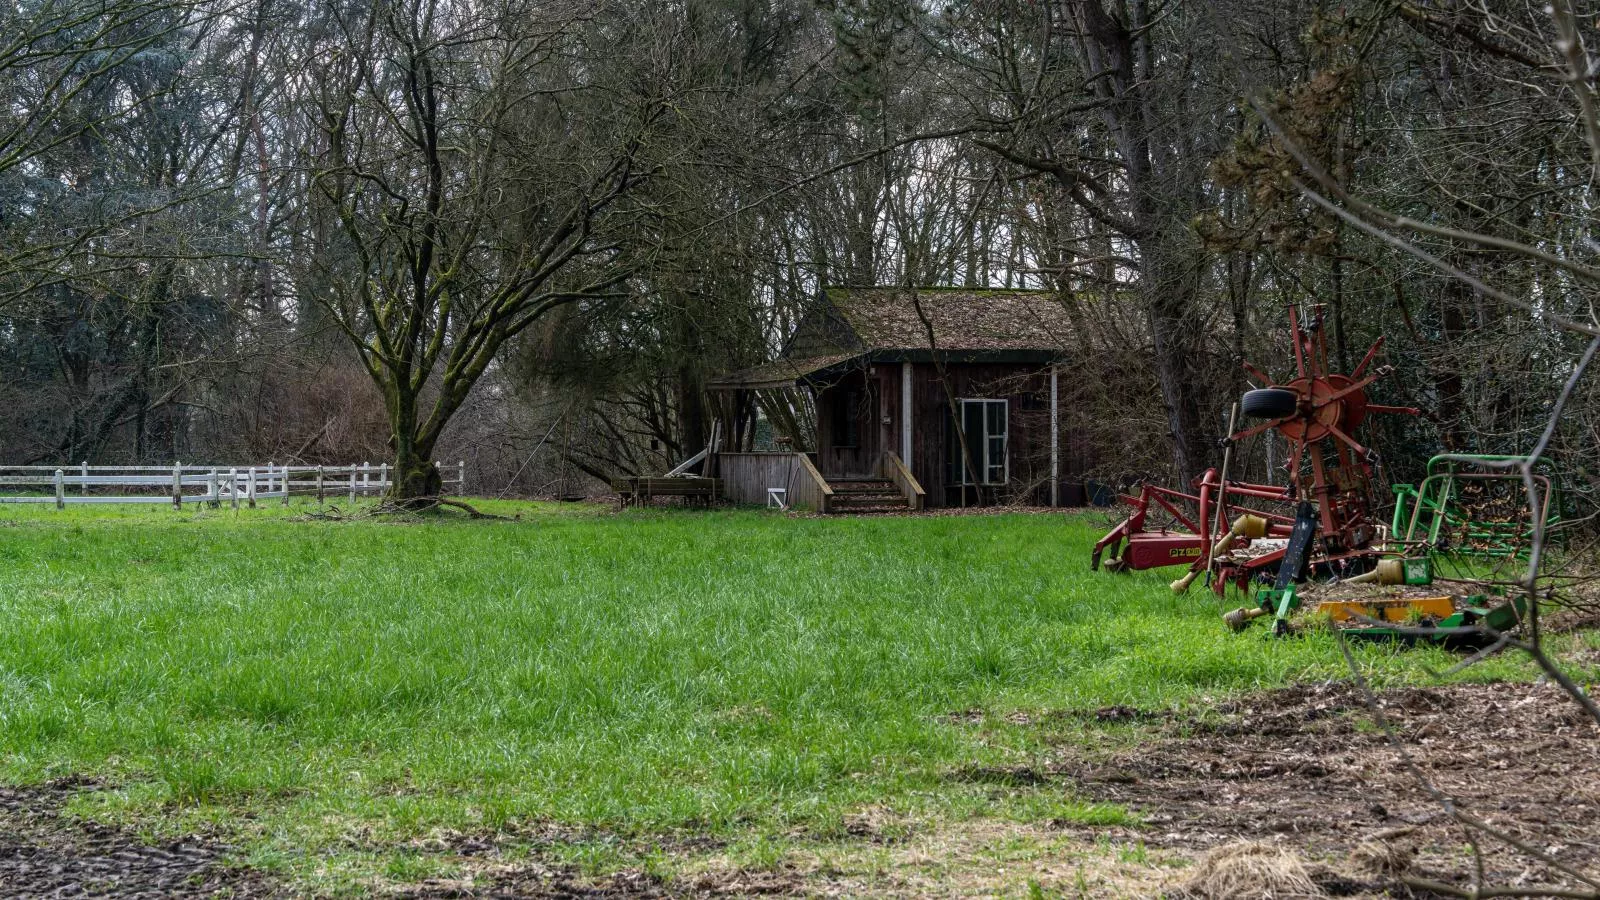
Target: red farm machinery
1321	525
1331	478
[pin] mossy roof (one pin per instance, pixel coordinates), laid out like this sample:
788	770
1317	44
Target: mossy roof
960	319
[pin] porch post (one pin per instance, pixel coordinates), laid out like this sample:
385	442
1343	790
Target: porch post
905	415
1055	438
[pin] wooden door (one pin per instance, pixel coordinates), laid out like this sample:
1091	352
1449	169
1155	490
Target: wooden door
849	433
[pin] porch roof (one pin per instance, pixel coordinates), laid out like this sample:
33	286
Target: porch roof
779	373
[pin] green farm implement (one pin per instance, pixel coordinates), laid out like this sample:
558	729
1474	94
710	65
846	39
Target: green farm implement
1469	505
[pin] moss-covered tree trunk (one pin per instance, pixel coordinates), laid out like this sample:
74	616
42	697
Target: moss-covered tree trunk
417	483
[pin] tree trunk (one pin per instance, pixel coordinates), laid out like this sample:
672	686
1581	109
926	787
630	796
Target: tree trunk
1177	343
1162	195
417	483
694	432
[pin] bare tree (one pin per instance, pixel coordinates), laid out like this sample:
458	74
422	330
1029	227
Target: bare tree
470	169
69	74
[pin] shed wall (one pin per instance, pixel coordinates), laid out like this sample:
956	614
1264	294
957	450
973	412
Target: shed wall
746	477
875	392
1026	388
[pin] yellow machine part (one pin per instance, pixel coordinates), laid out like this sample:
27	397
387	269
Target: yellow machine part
1399	609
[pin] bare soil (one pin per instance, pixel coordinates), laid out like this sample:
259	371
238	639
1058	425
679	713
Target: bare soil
1311	766
46	854
538	881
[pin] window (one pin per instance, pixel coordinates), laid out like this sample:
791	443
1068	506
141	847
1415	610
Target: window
983	423
846	418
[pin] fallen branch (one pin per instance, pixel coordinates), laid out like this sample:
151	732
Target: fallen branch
470	511
1440	887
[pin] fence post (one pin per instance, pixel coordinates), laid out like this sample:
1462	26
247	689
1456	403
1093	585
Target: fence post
177	485
352	485
233	487
461	477
366	478
321	496
83	468
383	477
215	497
61	490
285	484
250	489
269	476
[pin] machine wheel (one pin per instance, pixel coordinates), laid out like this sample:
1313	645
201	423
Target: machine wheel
1269	403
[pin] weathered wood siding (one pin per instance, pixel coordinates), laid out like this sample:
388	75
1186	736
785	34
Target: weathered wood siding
1026	388
746	477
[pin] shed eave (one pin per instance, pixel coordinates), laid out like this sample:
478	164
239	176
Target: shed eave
957	357
784	373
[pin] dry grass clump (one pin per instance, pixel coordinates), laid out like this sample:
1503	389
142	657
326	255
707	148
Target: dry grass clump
1384	854
1250	870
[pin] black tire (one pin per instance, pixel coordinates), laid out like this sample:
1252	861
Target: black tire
1269	403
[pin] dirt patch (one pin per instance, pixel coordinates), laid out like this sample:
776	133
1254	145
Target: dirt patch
532	880
540	837
1566	619
1309	766
46	854
981	858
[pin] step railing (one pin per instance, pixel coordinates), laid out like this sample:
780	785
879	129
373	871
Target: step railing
813	483
178	484
892	467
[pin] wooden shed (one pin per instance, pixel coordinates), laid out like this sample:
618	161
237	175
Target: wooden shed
944	396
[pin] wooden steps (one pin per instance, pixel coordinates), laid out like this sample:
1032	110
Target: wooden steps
866	495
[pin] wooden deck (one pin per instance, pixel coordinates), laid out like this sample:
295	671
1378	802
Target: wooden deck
642	490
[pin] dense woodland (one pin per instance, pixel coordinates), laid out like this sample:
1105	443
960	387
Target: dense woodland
525	232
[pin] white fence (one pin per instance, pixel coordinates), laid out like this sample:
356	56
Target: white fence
180	484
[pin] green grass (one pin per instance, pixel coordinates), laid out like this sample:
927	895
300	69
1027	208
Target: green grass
334	690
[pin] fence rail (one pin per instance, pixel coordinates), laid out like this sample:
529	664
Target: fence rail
178	484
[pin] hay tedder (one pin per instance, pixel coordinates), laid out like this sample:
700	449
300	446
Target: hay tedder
1320	526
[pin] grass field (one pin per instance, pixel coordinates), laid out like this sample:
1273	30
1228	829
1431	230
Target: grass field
331	694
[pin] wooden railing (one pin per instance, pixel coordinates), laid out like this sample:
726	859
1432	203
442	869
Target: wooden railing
814	486
179	484
892	467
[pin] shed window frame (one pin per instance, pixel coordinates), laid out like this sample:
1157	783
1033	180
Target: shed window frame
992	435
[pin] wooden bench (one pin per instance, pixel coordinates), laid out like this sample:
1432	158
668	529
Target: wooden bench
641	490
